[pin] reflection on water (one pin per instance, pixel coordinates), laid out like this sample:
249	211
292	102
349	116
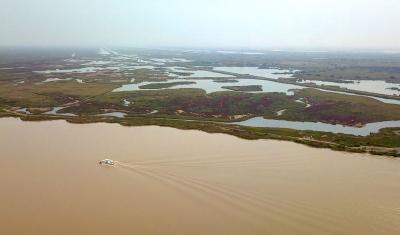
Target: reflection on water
319	126
168	181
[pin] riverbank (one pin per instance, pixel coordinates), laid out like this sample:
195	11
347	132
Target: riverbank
386	142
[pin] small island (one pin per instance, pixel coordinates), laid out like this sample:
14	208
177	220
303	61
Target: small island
244	88
183	74
225	81
164	85
393	88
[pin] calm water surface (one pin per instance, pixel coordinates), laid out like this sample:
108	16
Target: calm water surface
319	126
170	181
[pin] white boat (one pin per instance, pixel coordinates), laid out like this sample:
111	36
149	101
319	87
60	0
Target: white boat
107	162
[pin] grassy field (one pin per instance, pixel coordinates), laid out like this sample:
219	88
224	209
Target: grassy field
338	108
352	73
324	106
195	103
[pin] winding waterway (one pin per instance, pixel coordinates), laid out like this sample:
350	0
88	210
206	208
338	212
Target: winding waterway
366	130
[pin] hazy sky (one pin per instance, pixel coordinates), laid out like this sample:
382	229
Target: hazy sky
336	24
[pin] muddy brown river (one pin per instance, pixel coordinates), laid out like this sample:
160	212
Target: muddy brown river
169	181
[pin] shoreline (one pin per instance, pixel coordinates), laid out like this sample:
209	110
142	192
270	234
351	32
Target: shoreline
316	139
167	175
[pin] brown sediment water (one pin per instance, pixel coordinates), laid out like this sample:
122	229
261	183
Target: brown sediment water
169	181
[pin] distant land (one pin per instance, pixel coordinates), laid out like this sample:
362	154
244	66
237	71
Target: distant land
343	101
